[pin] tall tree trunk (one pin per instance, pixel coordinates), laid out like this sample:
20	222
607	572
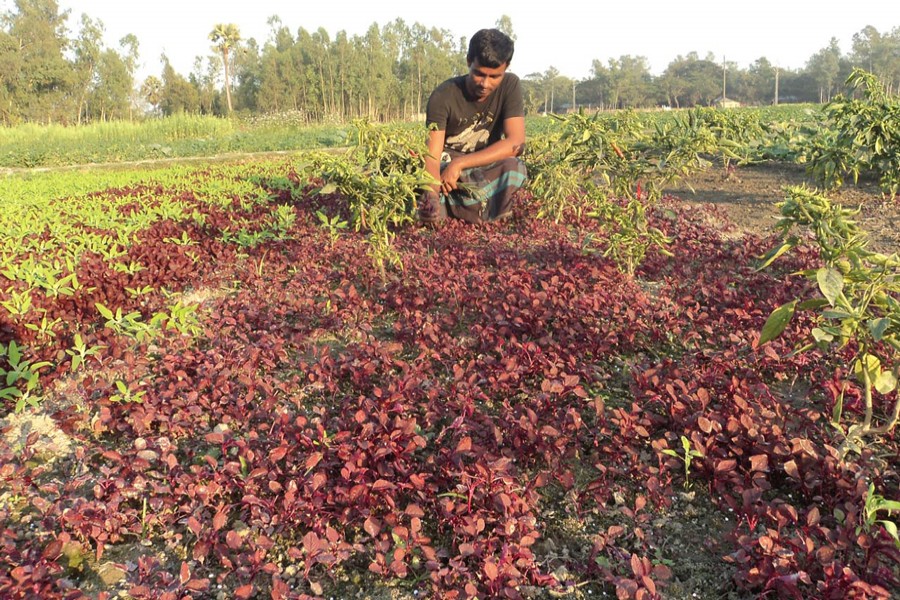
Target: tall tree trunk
80	107
83	99
419	90
344	104
343	92
331	89
322	90
227	80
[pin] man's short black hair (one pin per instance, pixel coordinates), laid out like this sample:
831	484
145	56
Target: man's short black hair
491	47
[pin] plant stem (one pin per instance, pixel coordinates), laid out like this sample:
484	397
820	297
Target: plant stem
891	422
867	384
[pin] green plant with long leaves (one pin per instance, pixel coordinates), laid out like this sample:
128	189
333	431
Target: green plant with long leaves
20	377
137	292
127	324
686	456
876	503
180	317
80	352
860	134
46	329
856	306
621	169
381	176
282	220
18	303
333	225
127	393
628	235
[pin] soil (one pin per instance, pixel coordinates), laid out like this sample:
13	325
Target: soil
748	196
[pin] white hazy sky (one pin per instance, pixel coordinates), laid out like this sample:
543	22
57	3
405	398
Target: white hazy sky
566	35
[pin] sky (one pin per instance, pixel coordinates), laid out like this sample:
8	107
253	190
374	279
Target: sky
548	33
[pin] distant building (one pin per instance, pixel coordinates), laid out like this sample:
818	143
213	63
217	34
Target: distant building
724	102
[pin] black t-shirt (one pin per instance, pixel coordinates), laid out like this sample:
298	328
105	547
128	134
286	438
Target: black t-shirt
469	125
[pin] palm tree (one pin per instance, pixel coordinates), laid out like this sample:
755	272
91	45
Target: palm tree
151	91
225	37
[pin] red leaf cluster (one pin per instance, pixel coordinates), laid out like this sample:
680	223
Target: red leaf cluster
419	426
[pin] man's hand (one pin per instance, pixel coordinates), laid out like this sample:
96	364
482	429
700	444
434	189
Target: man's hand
450	177
512	144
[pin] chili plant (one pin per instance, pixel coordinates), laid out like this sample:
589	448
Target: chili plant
856	308
628	234
606	159
381	177
583	149
861	133
679	147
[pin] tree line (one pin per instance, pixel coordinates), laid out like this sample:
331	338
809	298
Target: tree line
49	74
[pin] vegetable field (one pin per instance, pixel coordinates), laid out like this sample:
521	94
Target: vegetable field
262	380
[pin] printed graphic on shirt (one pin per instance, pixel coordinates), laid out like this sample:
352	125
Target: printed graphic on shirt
473	137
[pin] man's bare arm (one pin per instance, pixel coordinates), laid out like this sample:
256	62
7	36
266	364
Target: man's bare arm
433	160
512	144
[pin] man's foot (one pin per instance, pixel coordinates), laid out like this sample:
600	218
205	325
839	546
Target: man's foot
431	212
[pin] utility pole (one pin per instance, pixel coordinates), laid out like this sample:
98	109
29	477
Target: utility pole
776	85
574	106
723	78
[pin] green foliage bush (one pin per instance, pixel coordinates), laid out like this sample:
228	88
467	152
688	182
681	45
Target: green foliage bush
860	134
381	176
856	308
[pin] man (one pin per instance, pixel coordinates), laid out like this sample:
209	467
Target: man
477	131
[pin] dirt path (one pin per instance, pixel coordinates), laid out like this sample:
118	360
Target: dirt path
749	195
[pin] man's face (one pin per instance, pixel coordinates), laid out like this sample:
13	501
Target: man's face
482	81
